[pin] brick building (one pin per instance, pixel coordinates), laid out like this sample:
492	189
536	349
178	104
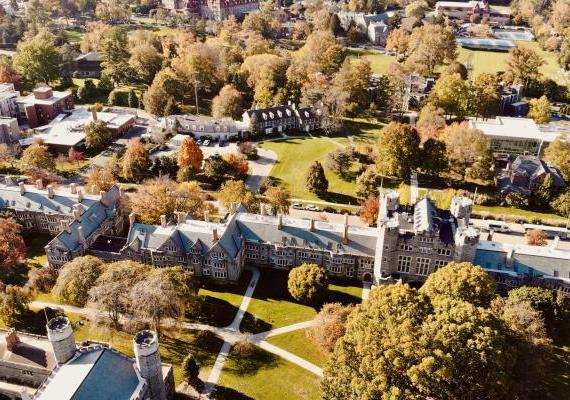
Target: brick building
42	106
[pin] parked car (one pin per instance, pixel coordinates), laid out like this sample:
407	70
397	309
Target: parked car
497	226
329	210
312	207
199	142
297	206
207	142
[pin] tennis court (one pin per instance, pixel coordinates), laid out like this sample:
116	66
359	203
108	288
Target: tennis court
486	44
514	35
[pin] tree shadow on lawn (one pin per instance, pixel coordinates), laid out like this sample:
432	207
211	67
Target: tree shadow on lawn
174	350
341	198
226	393
252	324
250	364
335	296
35	321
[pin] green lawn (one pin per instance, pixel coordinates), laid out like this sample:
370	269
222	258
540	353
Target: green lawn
344	291
380	63
296	342
271	305
512	214
264	376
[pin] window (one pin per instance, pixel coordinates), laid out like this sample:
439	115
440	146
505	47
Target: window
424	250
220	273
206	271
423	239
439	263
281	262
444	252
281	253
252	256
336	269
406	247
422	266
252	247
350	271
404	263
555	273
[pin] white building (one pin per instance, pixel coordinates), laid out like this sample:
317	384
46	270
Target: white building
514	136
198	127
9	130
8	96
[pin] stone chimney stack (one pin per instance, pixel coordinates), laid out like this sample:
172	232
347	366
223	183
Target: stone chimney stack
50	191
279	221
181	217
103	197
60	335
81	235
163	221
215	237
22	188
39	184
9	181
94	114
147	356
312	228
261	209
79	196
65	226
206	215
73	188
12	339
345	230
77	211
132	218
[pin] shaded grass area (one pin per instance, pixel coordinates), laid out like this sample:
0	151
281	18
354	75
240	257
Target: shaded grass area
513	214
35	243
558	383
298	343
220	303
265	376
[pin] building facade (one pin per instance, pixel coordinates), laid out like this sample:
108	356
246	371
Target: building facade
8	96
464	11
42	106
282	118
212	9
88	65
9	130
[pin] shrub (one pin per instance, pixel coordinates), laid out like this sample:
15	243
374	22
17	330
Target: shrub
42	279
190	369
308	283
330	325
243	349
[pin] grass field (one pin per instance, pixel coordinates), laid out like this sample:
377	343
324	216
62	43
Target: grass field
296	342
380	63
263	376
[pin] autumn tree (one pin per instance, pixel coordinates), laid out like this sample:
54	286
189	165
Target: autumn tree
42	279
486	96
417	9
561	204
452	94
110	292
369	209
38	156
279	198
38	60
523	65
162	196
237	192
353	78
398	39
238	165
146	61
430	122
14	304
12	246
430	45
315	180
228	103
330	325
367	183
97	135
540	110
167	292
99	179
398	150
190	155
465	146
558	154
76	278
434	157
308	283
536	237
339	161
135	161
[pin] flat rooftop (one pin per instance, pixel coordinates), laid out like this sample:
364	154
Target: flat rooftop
537	251
31	99
34	351
516	128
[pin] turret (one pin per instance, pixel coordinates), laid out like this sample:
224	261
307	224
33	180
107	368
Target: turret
60	335
147	358
461	208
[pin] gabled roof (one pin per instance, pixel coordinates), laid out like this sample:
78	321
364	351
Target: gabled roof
92	56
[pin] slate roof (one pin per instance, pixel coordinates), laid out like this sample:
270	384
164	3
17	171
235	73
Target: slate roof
92	56
531	168
94	374
272	113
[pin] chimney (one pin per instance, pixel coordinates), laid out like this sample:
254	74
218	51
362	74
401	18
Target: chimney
181	217
215	237
39	184
279	221
345	231
9	181
65	226
94	113
163	221
50	191
77	211
206	215
132	218
12	339
79	196
312	228
22	188
262	209
232	207
103	197
81	235
73	188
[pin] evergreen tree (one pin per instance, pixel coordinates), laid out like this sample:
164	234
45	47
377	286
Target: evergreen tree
133	99
113	98
543	193
316	181
367	183
190	369
171	107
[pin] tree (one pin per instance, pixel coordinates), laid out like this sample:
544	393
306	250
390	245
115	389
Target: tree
112	99
38	60
561	204
135	162
369	209
236	192
452	94
99	179
167	293
517	200
367	183
42	279
228	103
133	100
431	121
398	39
14	304
162	196
339	161
216	168
464	147
248	149
38	156
417	9
315	180
190	155
97	135
12	246
308	283
558	154
486	96
353	78
540	110
238	165
279	197
190	369
171	108
461	281
330	325
542	194
523	65
76	278
400	345
536	237
430	46
434	157
456	67
111	290
146	61
155	99
398	150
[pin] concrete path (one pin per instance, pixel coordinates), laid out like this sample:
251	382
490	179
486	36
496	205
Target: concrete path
365	290
259	169
279	331
290	357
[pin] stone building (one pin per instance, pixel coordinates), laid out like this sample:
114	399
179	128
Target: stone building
36	367
282	118
464	11
212	9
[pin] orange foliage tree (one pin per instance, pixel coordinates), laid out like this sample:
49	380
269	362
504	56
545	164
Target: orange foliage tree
12	246
190	155
536	237
369	210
